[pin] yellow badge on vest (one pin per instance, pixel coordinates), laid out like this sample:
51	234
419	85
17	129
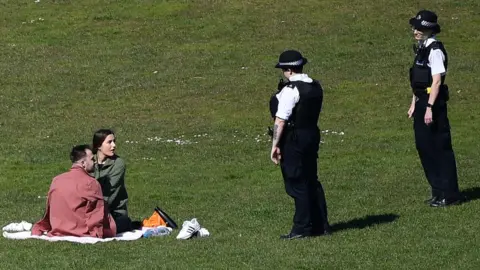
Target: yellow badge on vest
429	89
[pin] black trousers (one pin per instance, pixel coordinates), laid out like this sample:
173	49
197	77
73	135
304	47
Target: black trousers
299	150
434	146
124	223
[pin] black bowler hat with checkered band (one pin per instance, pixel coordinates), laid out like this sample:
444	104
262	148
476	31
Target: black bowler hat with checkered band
291	58
425	19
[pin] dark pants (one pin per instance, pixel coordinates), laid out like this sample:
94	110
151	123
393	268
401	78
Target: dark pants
434	146
124	223
299	151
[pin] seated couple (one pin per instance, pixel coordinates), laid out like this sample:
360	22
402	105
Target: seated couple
80	205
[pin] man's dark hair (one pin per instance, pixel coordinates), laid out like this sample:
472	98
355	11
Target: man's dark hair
79	152
99	137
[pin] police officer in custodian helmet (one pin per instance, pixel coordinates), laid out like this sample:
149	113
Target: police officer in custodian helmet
296	137
429	111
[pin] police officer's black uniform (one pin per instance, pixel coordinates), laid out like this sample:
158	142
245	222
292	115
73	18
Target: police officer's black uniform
433	141
299	147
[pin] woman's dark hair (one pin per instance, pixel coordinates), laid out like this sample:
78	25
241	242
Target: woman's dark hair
99	137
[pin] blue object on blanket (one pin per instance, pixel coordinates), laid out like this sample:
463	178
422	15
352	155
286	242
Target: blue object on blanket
158	231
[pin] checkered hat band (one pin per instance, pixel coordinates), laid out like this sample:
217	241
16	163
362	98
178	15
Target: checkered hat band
428	24
295	63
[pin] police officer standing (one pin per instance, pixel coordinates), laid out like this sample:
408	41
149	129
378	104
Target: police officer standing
429	111
296	138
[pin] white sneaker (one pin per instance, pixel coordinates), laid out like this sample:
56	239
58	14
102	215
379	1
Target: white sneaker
203	233
189	228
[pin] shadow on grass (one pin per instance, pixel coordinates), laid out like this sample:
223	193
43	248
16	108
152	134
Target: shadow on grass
471	194
367	221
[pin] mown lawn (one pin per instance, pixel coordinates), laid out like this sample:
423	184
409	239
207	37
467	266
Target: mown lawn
201	73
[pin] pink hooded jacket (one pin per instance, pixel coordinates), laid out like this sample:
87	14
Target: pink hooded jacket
75	207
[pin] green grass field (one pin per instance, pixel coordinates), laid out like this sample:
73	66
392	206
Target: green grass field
202	72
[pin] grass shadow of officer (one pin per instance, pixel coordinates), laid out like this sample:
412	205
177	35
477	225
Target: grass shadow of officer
429	111
296	138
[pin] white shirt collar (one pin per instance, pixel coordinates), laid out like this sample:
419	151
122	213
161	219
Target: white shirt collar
300	77
427	42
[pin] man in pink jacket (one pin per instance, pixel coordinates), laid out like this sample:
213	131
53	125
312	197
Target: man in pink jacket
75	205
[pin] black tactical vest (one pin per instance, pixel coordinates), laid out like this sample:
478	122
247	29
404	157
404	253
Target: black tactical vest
421	73
306	112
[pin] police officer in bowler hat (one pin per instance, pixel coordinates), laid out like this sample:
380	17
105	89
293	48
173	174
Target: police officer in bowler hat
296	137
429	111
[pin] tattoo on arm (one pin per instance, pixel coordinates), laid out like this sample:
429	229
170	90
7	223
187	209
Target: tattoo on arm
275	132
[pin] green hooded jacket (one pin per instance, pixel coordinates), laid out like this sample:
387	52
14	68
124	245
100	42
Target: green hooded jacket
111	176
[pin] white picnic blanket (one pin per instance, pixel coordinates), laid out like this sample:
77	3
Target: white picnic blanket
126	236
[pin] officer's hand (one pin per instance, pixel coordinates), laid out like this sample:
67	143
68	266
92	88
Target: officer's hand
411	111
428	116
275	155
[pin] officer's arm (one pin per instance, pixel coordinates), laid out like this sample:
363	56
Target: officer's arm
435	88
277	131
287	100
436	59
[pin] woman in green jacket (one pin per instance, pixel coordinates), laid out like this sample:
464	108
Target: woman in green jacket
110	173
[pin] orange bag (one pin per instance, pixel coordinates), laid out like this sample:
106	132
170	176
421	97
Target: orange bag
154	221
